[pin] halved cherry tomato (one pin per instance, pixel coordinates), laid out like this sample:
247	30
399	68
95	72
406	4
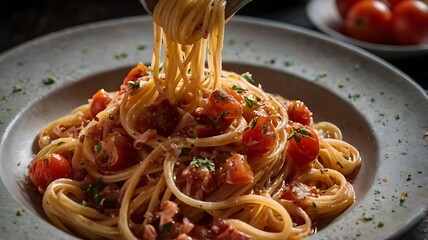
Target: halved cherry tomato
343	6
237	170
303	146
45	170
260	137
299	112
369	21
410	22
100	100
222	104
114	153
135	73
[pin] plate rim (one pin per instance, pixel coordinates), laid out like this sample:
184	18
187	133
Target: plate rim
242	19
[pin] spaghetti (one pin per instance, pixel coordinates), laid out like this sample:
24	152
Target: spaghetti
183	151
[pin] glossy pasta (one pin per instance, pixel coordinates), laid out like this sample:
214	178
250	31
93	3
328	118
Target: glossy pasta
207	153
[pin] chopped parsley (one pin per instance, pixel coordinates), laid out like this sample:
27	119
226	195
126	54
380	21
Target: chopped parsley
297	134
198	162
219	96
250	102
141	47
248	77
238	89
60	143
49	81
288	63
314	205
111	117
134	85
94	190
98	148
16	88
121	55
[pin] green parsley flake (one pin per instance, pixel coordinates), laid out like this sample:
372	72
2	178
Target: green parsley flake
17	88
141	47
198	162
248	77
121	55
250	102
49	81
288	63
134	85
94	189
98	148
238	89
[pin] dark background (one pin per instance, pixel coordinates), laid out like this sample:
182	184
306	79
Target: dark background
23	20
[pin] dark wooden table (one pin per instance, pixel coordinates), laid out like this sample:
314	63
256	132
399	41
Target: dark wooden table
23	20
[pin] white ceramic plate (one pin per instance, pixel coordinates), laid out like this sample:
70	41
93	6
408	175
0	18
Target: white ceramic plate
381	111
324	15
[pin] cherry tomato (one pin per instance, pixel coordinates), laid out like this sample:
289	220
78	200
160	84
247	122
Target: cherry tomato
299	112
135	73
222	104
391	3
343	6
410	22
114	153
237	170
369	21
303	146
259	138
100	100
45	170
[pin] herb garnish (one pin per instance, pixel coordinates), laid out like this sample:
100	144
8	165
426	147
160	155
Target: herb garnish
250	102
198	162
94	190
219	96
16	88
111	117
121	55
248	77
141	47
134	85
49	80
98	148
298	133
238	89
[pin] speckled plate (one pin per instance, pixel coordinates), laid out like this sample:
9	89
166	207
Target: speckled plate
380	110
324	15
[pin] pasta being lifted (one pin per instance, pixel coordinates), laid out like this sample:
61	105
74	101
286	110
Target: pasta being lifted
184	151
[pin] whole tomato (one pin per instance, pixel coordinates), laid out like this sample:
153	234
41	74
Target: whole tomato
343	6
392	3
410	23
369	21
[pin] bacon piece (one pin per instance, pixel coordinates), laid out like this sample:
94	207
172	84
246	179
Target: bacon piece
224	231
297	192
199	180
149	232
236	170
167	212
